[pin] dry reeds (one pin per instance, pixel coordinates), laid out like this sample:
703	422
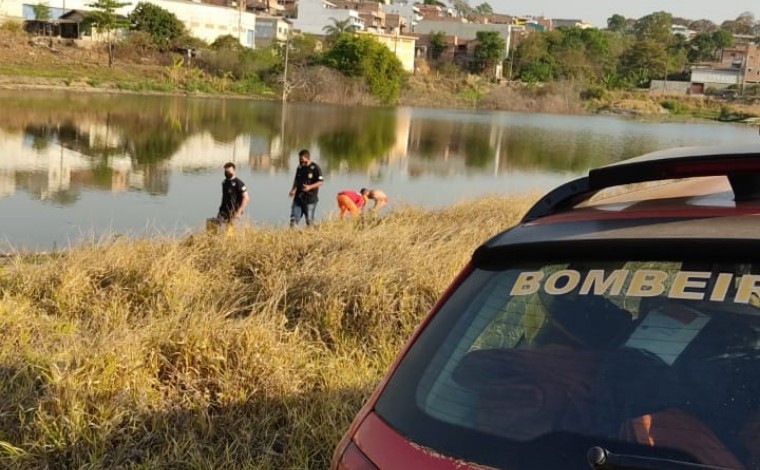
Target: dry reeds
248	351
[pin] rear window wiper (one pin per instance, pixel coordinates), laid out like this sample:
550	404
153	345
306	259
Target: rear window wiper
600	458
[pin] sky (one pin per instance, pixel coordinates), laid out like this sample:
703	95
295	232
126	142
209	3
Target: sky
596	12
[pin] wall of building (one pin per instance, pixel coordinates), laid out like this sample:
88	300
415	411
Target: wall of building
669	87
402	46
467	31
314	15
726	77
206	22
271	29
407	11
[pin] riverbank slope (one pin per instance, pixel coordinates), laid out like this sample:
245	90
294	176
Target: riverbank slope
36	63
252	351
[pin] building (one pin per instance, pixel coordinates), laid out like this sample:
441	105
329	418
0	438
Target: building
409	15
745	59
752	65
704	78
570	23
208	22
466	31
271	29
402	46
435	12
315	15
204	21
370	12
395	24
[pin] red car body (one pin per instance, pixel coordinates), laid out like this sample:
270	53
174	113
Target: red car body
712	204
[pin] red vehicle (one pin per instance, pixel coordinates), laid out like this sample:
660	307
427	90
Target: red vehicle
617	326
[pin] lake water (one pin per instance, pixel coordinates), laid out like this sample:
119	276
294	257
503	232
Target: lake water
76	165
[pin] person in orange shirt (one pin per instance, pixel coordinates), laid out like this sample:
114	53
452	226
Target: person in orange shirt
376	195
350	201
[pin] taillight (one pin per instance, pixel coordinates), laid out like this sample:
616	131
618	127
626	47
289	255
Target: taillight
353	459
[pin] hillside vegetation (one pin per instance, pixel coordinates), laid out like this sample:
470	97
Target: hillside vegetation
248	351
28	62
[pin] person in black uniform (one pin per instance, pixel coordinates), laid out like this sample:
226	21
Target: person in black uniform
305	190
234	196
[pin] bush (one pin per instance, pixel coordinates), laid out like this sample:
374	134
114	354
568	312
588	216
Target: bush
752	90
11	26
137	46
674	106
363	56
593	92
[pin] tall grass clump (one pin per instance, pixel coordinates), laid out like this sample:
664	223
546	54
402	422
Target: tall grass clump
249	351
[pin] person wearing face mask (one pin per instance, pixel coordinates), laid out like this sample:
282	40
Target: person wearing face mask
234	197
305	189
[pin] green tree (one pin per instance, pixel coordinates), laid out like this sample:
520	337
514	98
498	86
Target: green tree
643	61
723	39
462	7
532	61
490	50
655	26
437	44
705	46
304	49
617	23
484	9
702	26
339	27
162	26
104	17
579	53
365	57
41	11
743	24
226	42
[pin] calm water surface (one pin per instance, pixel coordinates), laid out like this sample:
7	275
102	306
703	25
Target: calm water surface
76	166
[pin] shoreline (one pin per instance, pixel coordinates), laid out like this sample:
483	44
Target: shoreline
17	83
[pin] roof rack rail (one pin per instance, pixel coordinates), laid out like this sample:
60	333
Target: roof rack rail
740	164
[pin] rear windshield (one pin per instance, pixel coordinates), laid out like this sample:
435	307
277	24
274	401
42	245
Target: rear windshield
531	366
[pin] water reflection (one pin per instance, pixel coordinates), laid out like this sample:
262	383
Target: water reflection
159	158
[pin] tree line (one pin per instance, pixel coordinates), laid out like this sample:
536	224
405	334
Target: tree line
628	53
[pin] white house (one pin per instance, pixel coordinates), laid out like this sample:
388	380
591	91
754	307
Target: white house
409	11
208	22
314	15
271	29
204	21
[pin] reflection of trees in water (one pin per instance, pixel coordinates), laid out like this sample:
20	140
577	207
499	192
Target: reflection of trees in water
519	147
150	150
478	150
434	139
363	141
64	197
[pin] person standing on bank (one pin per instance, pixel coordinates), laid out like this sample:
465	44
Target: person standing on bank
305	190
234	197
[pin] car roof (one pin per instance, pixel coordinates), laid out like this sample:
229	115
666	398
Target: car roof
682	193
741	164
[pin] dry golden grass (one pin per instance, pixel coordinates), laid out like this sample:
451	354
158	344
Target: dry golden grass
250	351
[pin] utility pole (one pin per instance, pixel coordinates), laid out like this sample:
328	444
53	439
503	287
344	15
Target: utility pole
285	69
240	6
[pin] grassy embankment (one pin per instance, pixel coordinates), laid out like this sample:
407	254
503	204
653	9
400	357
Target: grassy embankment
252	351
27	62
